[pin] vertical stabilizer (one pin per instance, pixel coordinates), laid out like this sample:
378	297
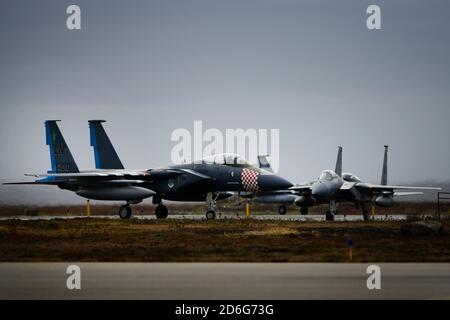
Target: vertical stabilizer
338	168
385	169
60	156
104	154
264	163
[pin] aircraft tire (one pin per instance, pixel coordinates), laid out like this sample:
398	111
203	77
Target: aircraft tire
329	216
210	215
125	212
304	210
161	211
282	210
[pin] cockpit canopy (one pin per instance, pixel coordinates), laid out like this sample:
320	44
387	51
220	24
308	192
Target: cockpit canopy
229	159
328	175
350	177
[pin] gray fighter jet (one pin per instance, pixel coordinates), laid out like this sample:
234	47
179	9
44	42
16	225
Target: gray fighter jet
210	179
333	187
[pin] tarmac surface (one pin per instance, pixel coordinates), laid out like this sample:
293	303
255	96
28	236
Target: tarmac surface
293	217
224	281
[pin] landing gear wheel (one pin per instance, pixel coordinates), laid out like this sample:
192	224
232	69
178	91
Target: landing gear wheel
304	210
125	212
329	216
161	211
210	215
282	210
365	215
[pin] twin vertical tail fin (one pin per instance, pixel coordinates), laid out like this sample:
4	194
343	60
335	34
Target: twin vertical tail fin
385	169
104	153
338	168
264	163
61	159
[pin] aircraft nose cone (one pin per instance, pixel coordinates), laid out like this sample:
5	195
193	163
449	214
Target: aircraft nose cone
319	190
273	182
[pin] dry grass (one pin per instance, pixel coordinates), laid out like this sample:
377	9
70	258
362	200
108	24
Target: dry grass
221	240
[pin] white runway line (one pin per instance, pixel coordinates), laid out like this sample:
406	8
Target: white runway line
223	216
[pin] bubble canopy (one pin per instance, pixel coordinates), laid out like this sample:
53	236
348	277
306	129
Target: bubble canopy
228	159
328	175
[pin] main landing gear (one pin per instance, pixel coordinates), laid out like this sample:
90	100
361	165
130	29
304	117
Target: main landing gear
211	205
161	211
304	210
125	211
366	215
282	210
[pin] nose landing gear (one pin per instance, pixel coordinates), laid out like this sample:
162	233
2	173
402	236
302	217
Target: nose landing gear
211	204
329	216
365	211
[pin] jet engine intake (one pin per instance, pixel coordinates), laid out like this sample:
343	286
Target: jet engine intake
305	201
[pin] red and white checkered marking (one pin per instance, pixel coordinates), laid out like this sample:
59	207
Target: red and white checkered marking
249	179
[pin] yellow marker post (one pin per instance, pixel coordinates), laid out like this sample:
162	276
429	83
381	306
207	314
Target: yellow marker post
350	250
88	208
247	210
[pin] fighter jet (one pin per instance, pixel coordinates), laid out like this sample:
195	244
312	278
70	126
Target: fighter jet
332	187
210	179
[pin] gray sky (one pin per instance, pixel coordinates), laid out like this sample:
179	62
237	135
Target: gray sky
309	68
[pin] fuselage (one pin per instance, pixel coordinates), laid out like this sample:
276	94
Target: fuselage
189	182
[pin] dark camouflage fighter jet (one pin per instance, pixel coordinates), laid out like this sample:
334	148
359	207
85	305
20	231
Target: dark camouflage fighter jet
211	179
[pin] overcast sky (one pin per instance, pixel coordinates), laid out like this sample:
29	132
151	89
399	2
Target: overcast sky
309	68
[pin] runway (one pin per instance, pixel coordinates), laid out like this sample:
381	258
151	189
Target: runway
292	217
236	281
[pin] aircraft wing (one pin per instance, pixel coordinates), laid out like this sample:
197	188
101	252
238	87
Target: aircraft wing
413	193
381	188
154	173
114	176
31	182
